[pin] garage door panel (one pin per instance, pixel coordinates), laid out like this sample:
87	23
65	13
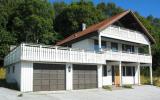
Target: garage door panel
37	76
45	82
84	76
45	76
45	88
61	86
52	82
37	88
37	82
53	76
61	76
48	77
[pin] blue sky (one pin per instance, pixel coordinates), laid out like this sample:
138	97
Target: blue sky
144	7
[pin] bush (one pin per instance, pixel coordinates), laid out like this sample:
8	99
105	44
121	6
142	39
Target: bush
107	87
127	86
156	81
2	73
145	80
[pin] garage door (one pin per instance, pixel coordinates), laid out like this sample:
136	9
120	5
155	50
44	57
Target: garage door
84	76
48	77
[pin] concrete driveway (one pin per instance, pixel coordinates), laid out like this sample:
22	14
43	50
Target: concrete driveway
138	93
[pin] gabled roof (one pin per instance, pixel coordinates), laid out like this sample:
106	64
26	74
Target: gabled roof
102	25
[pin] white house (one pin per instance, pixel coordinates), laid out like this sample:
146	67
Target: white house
108	53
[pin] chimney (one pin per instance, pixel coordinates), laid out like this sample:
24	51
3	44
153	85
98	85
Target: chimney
83	26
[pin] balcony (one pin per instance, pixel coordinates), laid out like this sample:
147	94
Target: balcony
125	34
46	53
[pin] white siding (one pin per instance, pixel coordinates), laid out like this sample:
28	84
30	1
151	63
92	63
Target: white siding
14	77
26	76
87	44
107	80
128	80
99	72
69	77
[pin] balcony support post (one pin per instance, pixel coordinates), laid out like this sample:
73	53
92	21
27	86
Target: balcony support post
99	42
151	79
139	74
150	52
120	73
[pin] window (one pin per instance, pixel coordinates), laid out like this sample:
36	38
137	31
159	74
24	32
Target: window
114	47
143	50
8	69
96	45
128	71
127	48
13	70
124	71
104	70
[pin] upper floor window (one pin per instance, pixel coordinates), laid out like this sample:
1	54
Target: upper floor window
127	48
96	45
13	70
143	50
114	47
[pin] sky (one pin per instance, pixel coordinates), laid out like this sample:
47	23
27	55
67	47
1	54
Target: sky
144	7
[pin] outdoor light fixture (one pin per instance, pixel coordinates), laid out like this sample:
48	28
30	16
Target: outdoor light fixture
69	68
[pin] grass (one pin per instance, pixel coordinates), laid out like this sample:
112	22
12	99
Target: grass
107	87
127	86
146	80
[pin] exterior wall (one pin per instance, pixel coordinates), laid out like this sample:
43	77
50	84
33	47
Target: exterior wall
87	44
107	80
131	79
128	80
69	77
26	76
16	76
99	71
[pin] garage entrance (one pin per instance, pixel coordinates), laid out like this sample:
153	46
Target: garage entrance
84	76
48	77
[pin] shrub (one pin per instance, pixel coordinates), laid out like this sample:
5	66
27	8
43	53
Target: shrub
2	73
127	86
107	87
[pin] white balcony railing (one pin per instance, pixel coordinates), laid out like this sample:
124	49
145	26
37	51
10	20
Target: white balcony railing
121	33
43	53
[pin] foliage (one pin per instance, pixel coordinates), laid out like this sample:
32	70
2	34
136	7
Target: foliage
107	87
127	86
71	18
2	73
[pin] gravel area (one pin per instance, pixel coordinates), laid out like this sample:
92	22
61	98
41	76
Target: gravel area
138	93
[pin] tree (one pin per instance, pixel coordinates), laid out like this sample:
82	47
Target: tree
32	21
71	18
109	9
6	39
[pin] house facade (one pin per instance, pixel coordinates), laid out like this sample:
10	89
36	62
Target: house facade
108	53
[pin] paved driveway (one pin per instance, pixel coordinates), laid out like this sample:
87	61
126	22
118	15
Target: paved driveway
138	93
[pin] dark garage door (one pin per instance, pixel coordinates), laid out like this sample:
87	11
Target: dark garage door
48	77
84	76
